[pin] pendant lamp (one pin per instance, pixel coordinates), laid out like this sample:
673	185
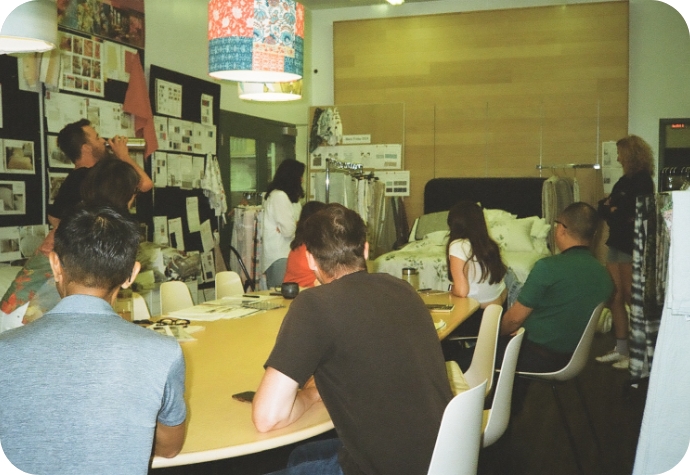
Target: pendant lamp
27	26
256	40
270	92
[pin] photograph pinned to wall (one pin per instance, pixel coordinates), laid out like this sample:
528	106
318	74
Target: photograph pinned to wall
55	181
18	157
208	267
206	109
12	197
9	244
159	168
81	65
168	98
56	157
119	20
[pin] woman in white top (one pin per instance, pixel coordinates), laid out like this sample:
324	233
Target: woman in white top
281	211
474	259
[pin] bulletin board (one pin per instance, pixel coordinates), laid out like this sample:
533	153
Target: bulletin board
188	93
20	123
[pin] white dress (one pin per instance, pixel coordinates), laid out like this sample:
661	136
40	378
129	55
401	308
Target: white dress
482	292
280	221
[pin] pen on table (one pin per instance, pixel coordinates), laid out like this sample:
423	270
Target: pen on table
252	296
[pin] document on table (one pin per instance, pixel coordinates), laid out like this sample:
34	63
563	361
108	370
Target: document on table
229	307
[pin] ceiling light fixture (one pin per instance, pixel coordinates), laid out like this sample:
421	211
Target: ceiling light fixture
256	41
396	2
270	92
27	26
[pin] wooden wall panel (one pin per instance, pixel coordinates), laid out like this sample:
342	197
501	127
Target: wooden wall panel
493	93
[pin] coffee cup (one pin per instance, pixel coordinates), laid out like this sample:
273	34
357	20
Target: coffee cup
289	290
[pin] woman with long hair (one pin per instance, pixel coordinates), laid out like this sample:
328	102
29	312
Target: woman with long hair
281	211
618	209
474	260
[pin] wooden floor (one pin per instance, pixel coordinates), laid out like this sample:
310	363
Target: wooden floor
536	442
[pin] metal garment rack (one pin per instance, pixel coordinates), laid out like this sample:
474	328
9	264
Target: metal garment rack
595	166
357	167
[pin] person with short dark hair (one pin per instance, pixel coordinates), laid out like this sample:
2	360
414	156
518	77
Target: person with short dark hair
281	212
560	294
367	345
82	390
80	142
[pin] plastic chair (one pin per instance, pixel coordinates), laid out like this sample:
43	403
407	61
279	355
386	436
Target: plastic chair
228	283
457	446
570	371
484	357
496	419
175	296
140	311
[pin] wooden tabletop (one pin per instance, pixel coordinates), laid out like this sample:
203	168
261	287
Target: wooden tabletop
227	357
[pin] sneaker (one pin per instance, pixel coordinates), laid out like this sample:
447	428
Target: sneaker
623	363
610	357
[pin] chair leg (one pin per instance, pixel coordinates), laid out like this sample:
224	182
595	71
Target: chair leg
567	428
597	443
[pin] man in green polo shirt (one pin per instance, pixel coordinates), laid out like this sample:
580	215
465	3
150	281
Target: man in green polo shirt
560	294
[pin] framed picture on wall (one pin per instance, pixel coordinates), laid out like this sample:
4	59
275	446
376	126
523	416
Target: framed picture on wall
18	157
12	197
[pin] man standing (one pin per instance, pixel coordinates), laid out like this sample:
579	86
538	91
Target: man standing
370	344
80	142
560	294
82	390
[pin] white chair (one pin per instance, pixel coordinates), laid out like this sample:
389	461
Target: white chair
175	295
570	371
496	419
140	311
484	357
457	445
228	283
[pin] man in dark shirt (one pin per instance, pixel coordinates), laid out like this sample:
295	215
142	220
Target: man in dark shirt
370	344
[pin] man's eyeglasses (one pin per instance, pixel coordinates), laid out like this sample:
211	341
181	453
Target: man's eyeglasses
183	322
561	223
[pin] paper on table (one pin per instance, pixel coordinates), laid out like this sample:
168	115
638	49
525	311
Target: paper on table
211	311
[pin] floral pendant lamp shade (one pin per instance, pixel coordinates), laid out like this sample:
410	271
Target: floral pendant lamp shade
256	40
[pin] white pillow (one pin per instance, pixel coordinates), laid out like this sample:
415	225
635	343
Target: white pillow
495	216
540	234
514	235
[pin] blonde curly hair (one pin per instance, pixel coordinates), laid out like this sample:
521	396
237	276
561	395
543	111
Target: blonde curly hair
637	154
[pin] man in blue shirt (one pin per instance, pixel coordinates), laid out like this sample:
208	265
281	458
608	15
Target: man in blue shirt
82	390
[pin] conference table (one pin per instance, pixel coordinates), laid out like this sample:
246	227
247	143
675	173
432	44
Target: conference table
227	357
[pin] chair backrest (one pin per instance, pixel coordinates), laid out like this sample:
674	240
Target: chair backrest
496	419
484	357
140	311
457	445
579	359
228	283
175	295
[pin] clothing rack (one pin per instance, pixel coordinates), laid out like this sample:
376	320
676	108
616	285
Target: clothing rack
356	167
595	166
674	178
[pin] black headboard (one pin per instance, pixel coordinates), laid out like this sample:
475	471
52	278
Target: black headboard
520	196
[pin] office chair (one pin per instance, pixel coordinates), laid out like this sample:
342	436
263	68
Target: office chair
175	295
228	283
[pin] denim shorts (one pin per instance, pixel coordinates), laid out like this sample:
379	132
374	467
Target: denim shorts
615	256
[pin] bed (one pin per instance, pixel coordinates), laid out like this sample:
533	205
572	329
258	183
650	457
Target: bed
512	208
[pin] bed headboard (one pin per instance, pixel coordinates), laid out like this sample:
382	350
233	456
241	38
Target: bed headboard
520	196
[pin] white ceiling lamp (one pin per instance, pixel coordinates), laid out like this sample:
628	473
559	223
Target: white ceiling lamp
396	2
27	26
270	92
256	41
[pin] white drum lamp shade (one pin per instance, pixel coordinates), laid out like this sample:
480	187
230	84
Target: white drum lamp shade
27	26
270	92
256	40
